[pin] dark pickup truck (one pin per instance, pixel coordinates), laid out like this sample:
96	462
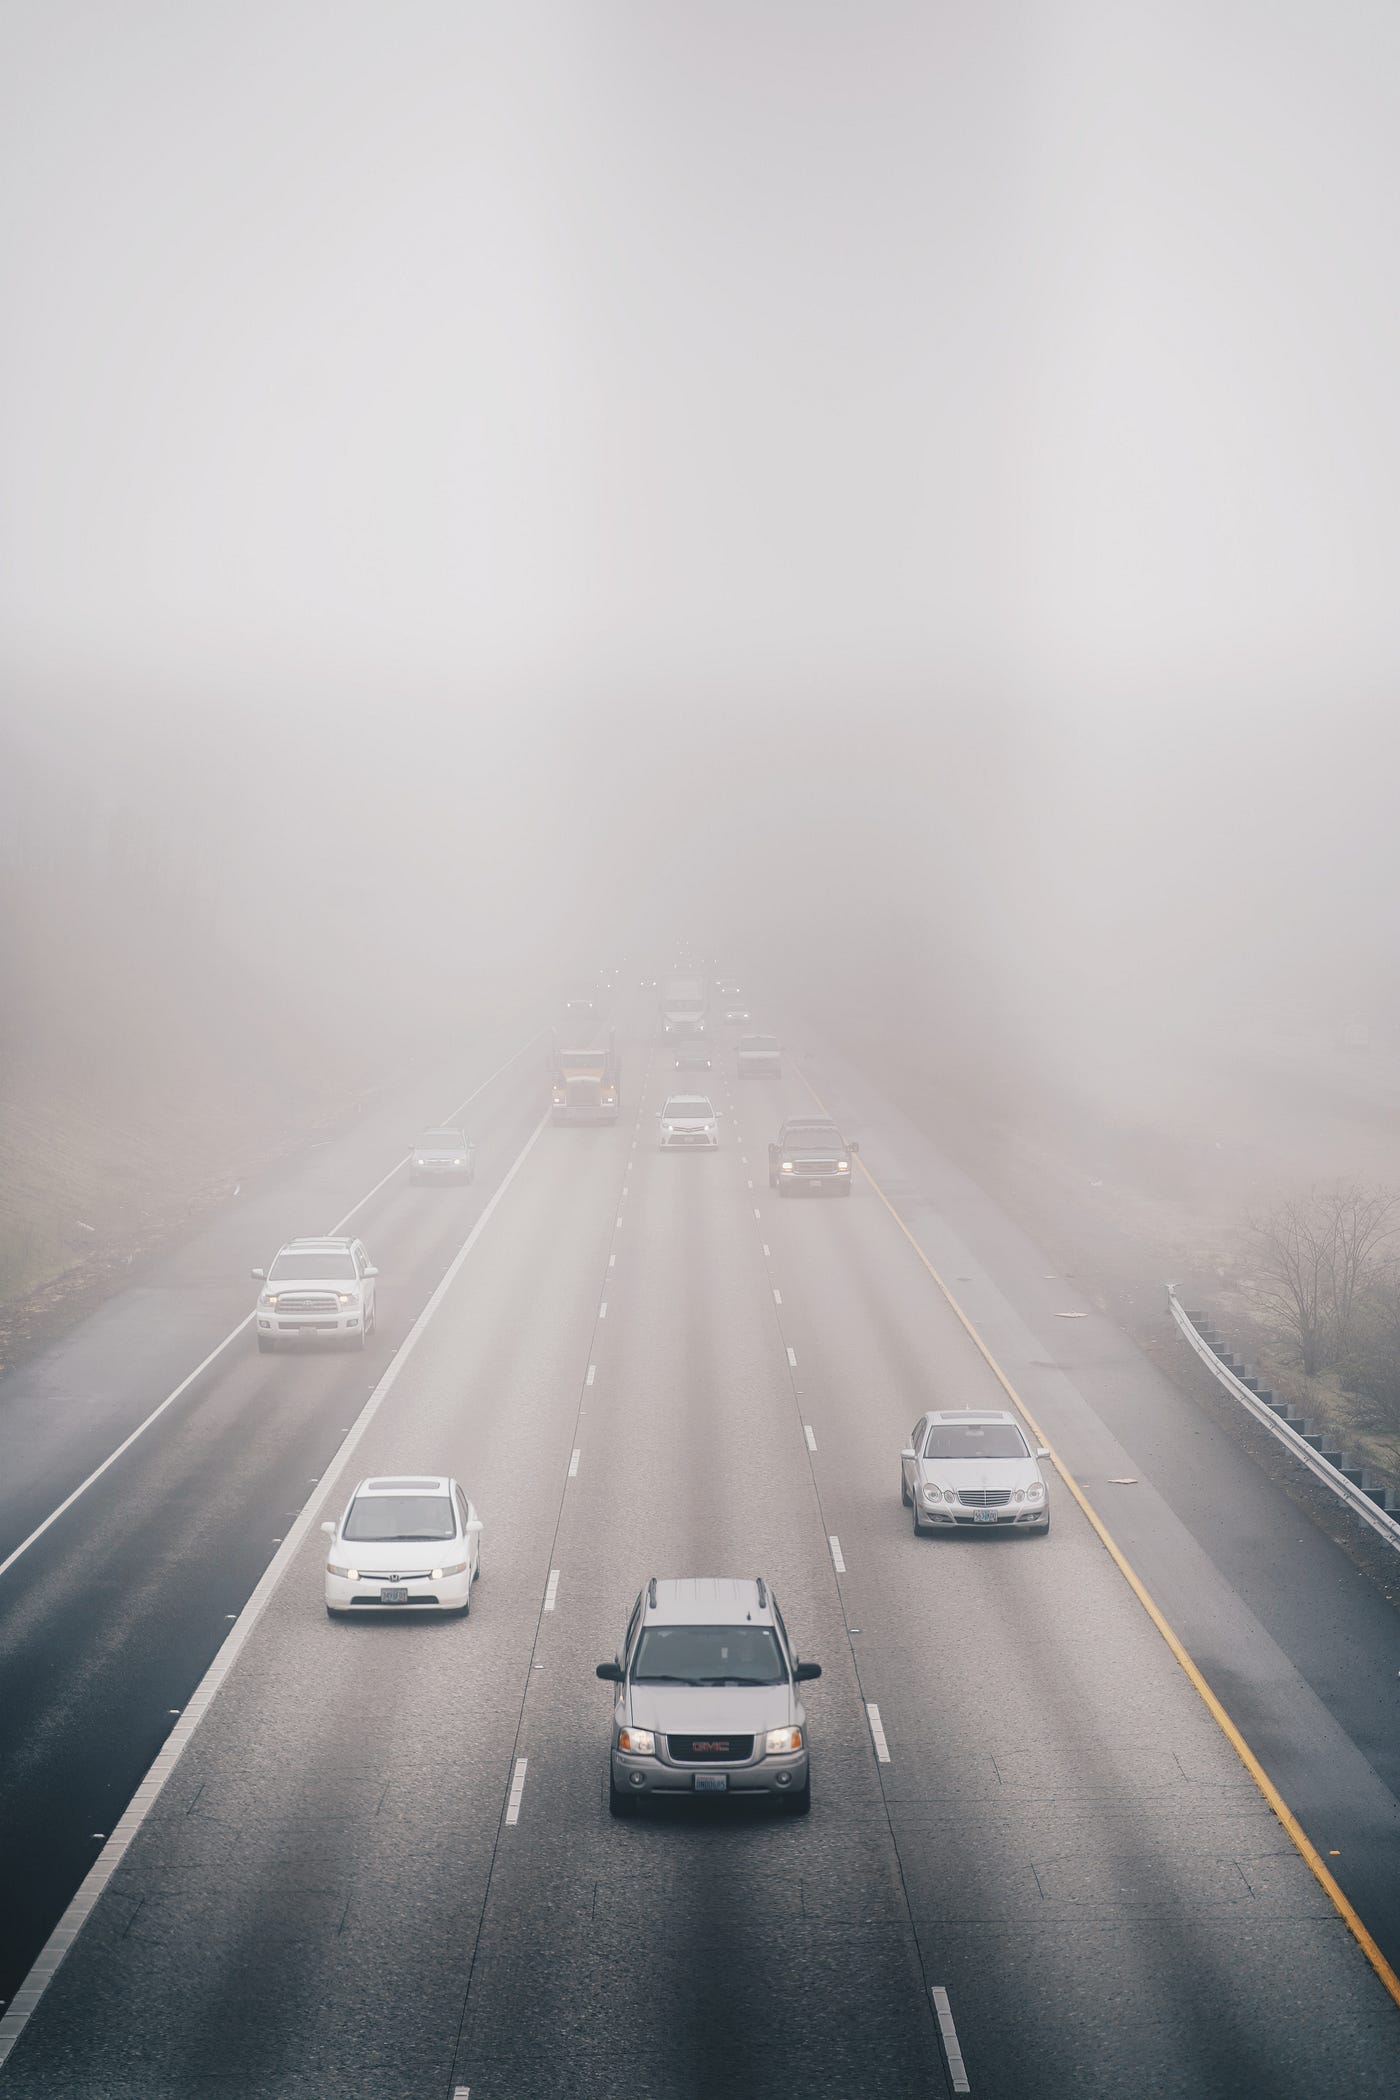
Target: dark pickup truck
810	1156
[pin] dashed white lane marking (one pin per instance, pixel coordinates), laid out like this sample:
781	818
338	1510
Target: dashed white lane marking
750	1184
461	2092
756	1211
777	1297
573	1465
603	1310
517	1788
592	1373
612	1261
948	2035
877	1731
836	1560
766	1255
792	1356
624	1188
811	1439
551	1589
618	1226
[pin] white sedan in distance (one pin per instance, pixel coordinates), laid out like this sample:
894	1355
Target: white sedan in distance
407	1543
689	1121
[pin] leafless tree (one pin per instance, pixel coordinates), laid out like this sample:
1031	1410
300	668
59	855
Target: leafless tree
1318	1252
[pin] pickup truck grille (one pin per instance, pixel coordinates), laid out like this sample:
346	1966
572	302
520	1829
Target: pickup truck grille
710	1749
984	1498
308	1302
584	1093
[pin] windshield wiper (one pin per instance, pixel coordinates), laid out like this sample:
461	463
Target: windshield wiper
648	1679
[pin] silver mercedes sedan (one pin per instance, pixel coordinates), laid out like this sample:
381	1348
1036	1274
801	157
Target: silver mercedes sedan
972	1469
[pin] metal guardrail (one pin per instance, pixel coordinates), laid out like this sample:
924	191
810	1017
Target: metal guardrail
1323	1468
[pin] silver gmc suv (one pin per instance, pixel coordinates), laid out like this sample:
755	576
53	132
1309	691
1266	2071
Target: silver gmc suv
707	1697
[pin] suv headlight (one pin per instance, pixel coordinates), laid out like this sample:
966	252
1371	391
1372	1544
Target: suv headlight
267	1298
640	1741
346	1297
779	1740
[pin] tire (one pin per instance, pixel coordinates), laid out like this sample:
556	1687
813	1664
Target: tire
919	1531
1041	1531
266	1345
333	1611
620	1803
904	1495
800	1804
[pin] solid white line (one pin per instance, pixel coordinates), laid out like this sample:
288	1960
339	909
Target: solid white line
808	1433
777	1297
234	1641
603	1310
882	1748
948	2035
218	1348
573	1465
517	1788
792	1356
836	1560
551	1589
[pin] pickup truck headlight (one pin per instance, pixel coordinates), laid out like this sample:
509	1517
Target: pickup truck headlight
788	1166
781	1740
640	1741
843	1166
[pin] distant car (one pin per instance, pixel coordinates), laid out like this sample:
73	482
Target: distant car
737	1016
689	1120
729	988
317	1290
973	1469
707	1697
693	1057
443	1155
412	1543
759	1057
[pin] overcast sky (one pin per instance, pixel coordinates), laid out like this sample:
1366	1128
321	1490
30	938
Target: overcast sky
995	401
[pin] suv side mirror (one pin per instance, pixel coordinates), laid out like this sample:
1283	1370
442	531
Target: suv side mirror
853	1146
260	1275
805	1672
329	1530
611	1673
907	1452
370	1269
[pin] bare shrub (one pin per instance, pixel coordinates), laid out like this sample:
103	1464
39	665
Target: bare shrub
1319	1256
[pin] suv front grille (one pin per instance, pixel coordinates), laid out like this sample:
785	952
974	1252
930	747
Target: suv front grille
984	1498
710	1749
307	1302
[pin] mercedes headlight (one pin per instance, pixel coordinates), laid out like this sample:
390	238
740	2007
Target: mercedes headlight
933	1494
1036	1491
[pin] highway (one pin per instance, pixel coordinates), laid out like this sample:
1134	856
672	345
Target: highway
383	1865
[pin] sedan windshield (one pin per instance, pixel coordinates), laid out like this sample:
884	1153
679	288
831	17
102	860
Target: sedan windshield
325	1266
441	1141
709	1655
975	1440
690	1108
390	1518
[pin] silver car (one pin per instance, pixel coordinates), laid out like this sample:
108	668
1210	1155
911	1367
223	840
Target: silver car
707	1697
688	1121
972	1469
443	1155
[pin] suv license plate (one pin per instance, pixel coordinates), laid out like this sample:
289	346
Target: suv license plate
712	1782
393	1596
984	1516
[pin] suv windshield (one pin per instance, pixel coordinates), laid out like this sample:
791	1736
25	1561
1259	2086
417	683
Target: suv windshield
975	1440
394	1517
709	1655
326	1265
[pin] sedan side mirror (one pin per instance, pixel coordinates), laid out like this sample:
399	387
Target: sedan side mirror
260	1275
907	1452
1042	1450
471	1527
805	1672
329	1530
611	1673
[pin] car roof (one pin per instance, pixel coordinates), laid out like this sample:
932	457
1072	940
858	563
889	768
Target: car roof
337	1245
748	1042
708	1600
408	1484
691	1101
973	1414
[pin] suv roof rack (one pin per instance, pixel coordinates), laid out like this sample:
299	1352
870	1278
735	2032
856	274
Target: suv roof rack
762	1594
651	1593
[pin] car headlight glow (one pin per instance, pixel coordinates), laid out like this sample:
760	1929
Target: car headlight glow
640	1741
333	1567
420	1162
843	1166
1035	1491
788	1166
345	1297
779	1740
268	1298
458	1568
459	1162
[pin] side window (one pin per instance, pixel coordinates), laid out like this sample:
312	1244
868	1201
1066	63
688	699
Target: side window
632	1625
783	1632
461	1506
916	1435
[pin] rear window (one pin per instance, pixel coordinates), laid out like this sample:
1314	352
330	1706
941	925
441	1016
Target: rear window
390	1518
713	1655
975	1440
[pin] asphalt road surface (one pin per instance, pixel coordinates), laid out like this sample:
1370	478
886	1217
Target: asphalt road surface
384	1865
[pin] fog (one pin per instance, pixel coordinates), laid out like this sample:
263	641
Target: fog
905	494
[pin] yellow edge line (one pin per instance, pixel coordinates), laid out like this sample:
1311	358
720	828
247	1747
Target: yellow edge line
1217	1712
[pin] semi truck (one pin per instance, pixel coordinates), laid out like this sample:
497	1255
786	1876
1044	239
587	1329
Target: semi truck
584	1082
683	1008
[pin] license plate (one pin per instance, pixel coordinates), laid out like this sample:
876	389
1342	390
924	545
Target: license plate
984	1516
712	1782
395	1596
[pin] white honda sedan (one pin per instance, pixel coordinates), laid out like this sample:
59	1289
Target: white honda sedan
404	1544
